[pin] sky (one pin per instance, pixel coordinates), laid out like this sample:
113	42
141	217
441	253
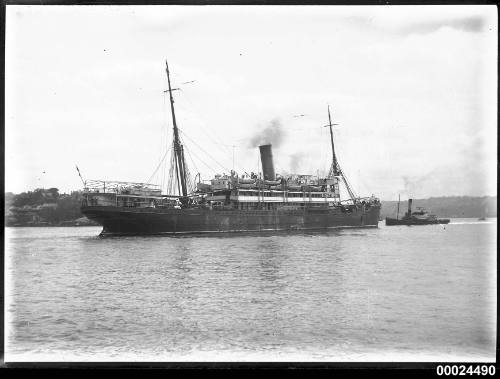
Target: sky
413	90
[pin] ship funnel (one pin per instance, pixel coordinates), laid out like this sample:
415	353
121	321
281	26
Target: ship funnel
266	157
409	206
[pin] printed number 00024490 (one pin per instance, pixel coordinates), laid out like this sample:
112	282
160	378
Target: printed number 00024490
465	370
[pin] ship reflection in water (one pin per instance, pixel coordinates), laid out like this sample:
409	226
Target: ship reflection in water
350	294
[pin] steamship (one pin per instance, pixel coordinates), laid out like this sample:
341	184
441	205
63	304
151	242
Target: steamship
419	217
256	202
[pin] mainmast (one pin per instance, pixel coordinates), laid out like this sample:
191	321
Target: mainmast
335	169
399	200
180	166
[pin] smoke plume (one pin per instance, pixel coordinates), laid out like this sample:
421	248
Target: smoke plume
272	134
295	161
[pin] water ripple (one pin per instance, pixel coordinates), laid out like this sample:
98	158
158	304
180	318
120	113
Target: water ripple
339	295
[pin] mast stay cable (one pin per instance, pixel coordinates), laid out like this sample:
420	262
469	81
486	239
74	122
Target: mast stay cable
335	169
215	160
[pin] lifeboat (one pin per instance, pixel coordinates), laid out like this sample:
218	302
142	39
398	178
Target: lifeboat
311	188
246	185
272	182
246	181
203	187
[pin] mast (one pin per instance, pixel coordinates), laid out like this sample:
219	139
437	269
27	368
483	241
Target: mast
335	170
178	148
399	199
334	160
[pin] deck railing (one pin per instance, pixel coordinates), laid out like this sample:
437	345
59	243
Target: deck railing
108	186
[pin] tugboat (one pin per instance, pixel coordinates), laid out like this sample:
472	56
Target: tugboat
483	217
256	202
419	217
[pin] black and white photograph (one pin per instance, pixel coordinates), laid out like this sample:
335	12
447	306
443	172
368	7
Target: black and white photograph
251	183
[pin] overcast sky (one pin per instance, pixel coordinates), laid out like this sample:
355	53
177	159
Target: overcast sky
413	90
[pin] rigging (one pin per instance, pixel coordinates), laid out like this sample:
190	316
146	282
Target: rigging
335	169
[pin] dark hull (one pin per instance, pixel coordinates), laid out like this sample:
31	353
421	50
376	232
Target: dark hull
146	221
392	221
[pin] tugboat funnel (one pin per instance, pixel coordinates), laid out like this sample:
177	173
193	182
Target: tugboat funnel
266	157
409	206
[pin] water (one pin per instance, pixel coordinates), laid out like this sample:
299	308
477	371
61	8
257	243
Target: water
425	293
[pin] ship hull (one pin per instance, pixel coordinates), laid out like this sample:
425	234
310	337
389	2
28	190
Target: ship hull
151	221
393	221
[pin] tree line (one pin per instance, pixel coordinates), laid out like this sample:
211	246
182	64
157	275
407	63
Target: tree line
42	207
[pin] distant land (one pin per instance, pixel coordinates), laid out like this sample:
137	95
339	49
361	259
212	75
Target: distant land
47	207
446	206
44	207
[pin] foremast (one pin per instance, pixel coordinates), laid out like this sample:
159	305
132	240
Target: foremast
180	164
335	169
